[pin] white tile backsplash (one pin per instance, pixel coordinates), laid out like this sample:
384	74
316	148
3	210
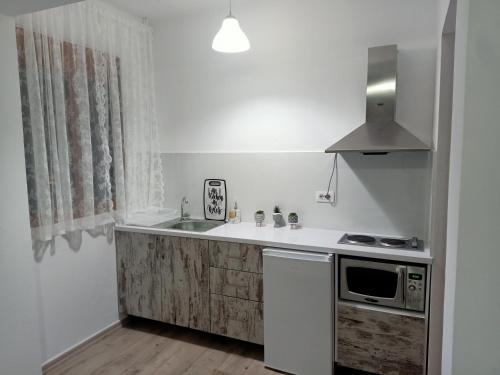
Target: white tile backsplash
379	194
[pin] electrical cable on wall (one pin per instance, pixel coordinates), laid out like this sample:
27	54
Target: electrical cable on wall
335	171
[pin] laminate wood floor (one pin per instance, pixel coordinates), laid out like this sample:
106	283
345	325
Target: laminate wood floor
144	347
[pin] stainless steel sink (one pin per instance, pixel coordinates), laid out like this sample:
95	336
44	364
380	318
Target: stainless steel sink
191	225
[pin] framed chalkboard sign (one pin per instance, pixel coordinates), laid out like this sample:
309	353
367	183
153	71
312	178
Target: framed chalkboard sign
214	199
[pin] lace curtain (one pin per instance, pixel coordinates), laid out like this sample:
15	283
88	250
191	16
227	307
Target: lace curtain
89	117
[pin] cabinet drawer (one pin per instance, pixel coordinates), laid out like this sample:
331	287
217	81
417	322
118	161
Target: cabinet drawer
387	343
237	318
236	256
239	284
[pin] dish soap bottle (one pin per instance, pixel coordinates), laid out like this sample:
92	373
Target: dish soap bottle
235	214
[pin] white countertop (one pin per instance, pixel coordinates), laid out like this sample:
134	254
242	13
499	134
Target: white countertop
305	239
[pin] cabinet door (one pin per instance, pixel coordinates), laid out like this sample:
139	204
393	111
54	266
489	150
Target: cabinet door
185	295
138	275
237	318
387	343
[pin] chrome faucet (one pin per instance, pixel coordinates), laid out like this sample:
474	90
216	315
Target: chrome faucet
184	215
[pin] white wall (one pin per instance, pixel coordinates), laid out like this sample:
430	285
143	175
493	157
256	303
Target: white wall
301	86
19	334
383	194
456	150
472	314
77	292
440	179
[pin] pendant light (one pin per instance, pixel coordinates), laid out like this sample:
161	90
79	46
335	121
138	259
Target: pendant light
230	38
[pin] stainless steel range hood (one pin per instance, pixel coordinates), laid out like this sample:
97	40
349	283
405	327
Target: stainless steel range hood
380	133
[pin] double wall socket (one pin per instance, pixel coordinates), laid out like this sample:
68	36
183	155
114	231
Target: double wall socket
324	197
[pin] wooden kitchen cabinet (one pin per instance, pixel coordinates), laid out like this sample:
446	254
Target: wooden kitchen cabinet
139	281
236	256
381	342
239	284
184	273
237	318
164	278
213	286
236	291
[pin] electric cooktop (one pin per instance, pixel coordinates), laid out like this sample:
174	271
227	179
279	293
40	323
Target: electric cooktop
379	241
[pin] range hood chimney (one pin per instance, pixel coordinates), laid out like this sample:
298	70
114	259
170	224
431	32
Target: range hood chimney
380	133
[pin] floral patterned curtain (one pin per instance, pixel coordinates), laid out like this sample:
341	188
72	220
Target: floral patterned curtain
89	117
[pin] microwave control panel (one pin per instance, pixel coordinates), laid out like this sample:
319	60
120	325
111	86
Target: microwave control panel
415	288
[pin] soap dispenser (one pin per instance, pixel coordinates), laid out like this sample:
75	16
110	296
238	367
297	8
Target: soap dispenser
235	214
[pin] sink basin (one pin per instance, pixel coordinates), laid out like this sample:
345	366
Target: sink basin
191	225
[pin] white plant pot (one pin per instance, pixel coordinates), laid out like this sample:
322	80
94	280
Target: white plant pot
260	219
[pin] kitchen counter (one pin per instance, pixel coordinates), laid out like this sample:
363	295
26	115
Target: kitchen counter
306	239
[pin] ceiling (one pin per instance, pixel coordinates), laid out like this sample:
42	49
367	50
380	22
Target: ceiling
155	9
143	8
17	7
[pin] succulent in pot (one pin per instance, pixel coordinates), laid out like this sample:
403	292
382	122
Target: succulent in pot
293	220
260	217
279	221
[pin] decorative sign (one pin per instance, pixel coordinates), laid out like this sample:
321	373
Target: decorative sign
214	199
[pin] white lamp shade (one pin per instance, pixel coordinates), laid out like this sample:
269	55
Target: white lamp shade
230	38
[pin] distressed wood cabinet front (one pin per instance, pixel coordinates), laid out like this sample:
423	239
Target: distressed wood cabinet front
236	308
139	282
184	273
211	286
237	318
386	343
164	278
236	256
239	284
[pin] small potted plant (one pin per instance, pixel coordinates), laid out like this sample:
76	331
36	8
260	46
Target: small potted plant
293	220
279	221
260	217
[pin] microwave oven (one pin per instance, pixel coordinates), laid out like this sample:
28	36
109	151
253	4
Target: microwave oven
397	285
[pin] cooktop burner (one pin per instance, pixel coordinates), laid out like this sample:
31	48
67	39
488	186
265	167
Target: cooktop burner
393	242
375	241
358	238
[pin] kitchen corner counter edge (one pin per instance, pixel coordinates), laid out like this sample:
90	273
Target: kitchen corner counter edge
305	239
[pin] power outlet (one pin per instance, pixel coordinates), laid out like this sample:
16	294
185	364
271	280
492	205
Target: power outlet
324	197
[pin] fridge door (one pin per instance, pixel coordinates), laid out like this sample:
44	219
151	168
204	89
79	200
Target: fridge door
298	311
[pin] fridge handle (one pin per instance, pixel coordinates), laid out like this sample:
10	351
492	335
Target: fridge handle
298	255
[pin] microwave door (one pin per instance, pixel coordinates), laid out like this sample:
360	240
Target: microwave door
373	282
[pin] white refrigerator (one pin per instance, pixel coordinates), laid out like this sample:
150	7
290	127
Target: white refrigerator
298	311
